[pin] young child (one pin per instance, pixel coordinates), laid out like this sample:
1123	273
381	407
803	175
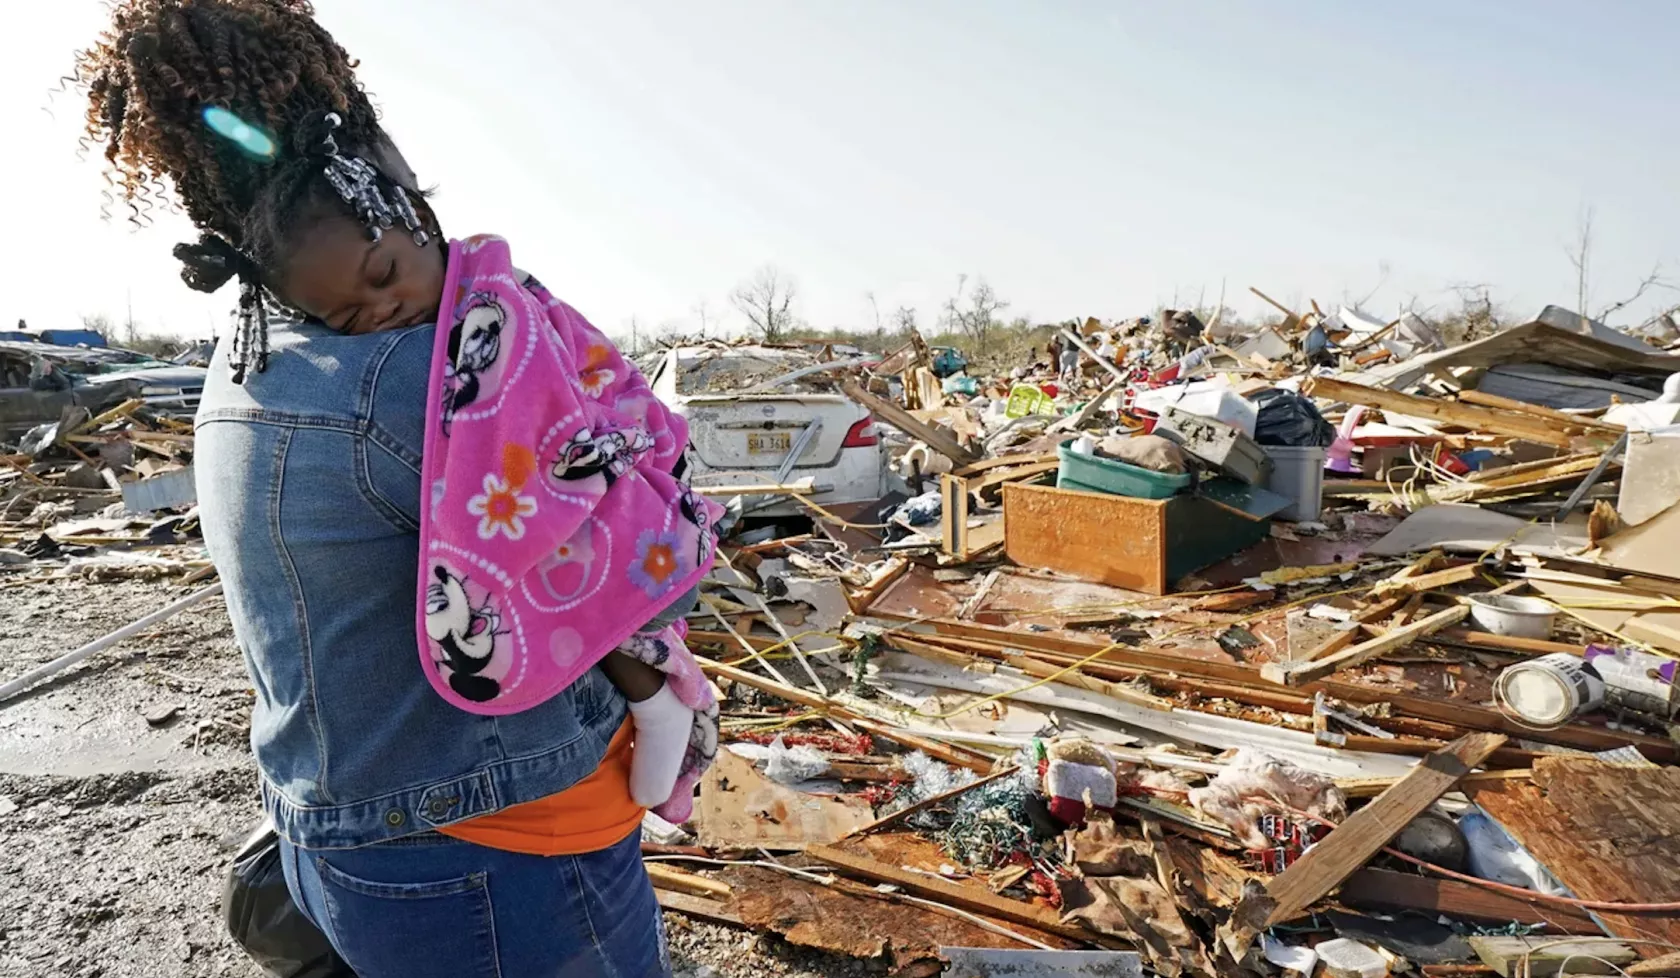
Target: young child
347	272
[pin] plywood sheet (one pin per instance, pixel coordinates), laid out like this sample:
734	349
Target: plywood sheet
1607	832
740	808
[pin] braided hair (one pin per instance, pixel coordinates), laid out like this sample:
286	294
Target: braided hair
246	114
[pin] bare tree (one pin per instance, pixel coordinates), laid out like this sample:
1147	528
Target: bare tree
1654	280
976	315
904	319
703	315
1580	255
766	300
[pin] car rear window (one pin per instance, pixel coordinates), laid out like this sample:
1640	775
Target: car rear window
725	372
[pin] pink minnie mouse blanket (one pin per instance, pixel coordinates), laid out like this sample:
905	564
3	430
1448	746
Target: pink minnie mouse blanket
555	528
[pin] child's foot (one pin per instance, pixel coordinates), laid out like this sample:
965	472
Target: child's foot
662	728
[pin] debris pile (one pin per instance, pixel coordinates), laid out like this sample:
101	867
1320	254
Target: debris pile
1288	651
1326	647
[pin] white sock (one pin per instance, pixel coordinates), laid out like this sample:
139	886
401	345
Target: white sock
663	724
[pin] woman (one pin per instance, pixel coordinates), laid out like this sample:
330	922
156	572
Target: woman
422	839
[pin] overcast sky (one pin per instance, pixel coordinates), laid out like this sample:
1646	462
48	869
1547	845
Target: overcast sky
1087	158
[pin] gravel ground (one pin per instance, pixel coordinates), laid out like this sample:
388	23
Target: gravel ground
126	786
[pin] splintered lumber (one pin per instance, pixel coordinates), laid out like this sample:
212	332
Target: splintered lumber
666	878
1344	638
1383	889
974	900
1300	673
1351	844
1540	430
793	694
906	422
1667	966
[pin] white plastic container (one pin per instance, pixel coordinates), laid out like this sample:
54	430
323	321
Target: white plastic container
1514	615
1549	690
1350	959
1204	398
1298	472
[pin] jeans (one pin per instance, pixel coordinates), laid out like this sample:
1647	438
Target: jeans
429	905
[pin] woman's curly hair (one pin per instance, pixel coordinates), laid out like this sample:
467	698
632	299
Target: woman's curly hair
162	63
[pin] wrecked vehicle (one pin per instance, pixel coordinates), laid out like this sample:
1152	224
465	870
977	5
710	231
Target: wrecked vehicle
761	415
97	376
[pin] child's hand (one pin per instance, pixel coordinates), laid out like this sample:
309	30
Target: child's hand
662	729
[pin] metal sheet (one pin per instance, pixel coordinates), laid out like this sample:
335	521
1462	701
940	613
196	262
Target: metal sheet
987	962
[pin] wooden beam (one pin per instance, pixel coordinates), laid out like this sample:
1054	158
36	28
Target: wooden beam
1299	673
1323	867
1383	889
1539	430
1430	581
1523	407
906	422
968	898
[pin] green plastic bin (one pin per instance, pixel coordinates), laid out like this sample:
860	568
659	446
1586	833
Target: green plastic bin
1091	473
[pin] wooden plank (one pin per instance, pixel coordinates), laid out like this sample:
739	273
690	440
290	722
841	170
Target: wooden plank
1020	473
1298	673
991	463
1383	889
1372	787
951	894
904	421
666	877
1605	831
1539	430
1544	957
1323	867
715	911
1508	643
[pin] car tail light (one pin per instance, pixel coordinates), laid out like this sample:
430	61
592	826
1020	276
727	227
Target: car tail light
862	435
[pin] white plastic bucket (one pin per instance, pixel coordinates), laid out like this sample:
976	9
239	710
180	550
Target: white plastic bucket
1298	472
1514	615
1549	690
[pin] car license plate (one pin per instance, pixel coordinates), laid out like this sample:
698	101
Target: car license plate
769	443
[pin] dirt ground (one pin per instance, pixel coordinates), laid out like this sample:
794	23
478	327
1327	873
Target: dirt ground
126	785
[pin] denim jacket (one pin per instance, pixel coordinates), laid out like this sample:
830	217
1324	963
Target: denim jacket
309	495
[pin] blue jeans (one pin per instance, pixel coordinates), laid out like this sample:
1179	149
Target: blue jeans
429	905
